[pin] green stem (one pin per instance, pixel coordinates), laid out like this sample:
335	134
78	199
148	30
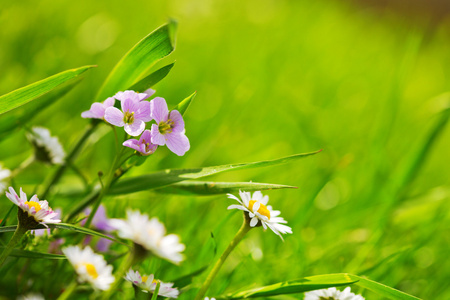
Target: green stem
127	263
68	291
25	164
69	159
18	234
239	235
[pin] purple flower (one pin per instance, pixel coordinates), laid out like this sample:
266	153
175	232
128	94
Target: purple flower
133	117
97	110
143	145
169	127
100	221
137	97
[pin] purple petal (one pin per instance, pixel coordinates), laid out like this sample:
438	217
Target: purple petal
109	102
148	93
129	105
114	116
146	137
133	144
177	143
159	110
143	112
135	128
97	111
103	245
178	121
157	137
131	95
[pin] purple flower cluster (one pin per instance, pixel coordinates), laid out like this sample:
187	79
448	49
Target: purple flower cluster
136	112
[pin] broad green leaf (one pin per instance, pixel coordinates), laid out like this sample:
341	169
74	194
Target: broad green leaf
138	60
185	280
381	289
183	105
171	176
30	92
214	188
152	79
23	114
294	286
35	255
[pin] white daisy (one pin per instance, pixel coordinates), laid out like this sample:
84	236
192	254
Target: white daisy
31	296
4	174
147	283
332	294
150	234
255	206
35	208
207	298
90	267
48	148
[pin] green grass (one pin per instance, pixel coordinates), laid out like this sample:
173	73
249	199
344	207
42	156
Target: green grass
273	78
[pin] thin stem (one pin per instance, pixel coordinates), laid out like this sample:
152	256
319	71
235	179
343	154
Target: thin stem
68	291
234	242
25	164
18	234
69	159
127	263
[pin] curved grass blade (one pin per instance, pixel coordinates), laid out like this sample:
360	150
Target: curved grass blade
11	228
138	60
186	280
171	176
35	255
152	79
214	188
295	286
184	105
30	92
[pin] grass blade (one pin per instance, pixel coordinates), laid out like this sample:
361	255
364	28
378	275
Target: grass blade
152	79
171	176
30	92
34	255
213	188
184	105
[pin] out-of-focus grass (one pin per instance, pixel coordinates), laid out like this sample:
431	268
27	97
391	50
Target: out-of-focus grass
274	78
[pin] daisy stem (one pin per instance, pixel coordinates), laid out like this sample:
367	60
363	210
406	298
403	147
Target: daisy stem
127	263
68	291
18	234
234	242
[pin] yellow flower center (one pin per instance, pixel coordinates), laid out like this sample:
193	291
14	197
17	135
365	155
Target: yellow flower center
90	268
166	127
34	204
262	208
144	278
128	117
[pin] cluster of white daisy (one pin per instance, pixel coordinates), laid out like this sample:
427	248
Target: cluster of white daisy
47	147
4	175
332	294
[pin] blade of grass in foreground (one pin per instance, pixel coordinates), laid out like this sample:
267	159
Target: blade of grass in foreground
171	176
151	79
34	254
30	92
213	188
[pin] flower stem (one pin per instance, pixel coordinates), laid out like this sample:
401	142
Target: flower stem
68	291
127	263
234	242
18	234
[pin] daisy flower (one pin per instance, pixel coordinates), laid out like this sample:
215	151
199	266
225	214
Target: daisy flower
256	207
169	128
35	208
133	116
332	294
98	109
147	283
144	145
150	234
207	298
48	148
31	296
4	174
136	97
90	267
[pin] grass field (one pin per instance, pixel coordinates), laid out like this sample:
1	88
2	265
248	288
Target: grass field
273	78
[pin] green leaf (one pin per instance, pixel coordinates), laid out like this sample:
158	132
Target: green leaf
15	118
214	188
152	79
171	176
33	254
138	60
8	228
185	280
30	92
294	286
183	105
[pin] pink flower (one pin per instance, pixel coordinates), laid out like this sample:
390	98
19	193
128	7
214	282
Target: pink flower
97	110
137	97
169	127
133	116
143	145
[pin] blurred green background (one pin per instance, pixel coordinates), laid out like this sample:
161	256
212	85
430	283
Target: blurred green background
274	77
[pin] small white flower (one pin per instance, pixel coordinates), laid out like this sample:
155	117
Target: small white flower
4	174
35	208
207	298
31	296
255	206
150	234
147	283
48	148
332	294
90	267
